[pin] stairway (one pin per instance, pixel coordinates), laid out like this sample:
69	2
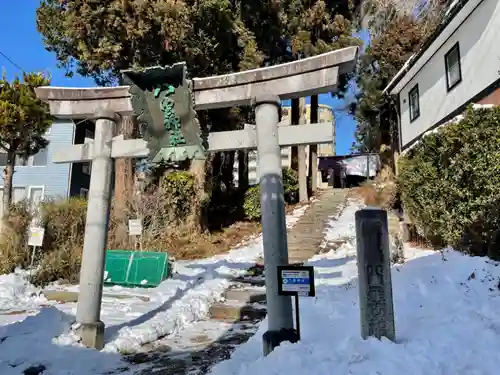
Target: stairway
245	300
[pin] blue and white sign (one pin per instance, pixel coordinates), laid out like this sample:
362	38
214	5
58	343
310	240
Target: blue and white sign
295	281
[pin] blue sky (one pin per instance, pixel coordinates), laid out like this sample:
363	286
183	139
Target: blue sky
22	44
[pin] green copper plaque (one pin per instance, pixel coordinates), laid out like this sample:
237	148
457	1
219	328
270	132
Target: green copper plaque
163	103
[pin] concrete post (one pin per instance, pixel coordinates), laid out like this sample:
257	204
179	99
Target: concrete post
301	157
279	308
96	232
313	149
374	273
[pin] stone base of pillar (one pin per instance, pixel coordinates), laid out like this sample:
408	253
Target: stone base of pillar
92	335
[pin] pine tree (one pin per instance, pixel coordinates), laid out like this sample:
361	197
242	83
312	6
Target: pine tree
24	119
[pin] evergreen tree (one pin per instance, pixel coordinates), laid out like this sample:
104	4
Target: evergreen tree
24	119
398	30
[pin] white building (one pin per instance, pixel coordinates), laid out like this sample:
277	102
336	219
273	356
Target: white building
457	66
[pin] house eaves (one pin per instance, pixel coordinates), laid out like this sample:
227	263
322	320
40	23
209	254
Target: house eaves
454	17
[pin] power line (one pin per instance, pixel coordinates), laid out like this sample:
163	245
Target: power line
11	61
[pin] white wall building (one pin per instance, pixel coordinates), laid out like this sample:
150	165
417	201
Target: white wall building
457	66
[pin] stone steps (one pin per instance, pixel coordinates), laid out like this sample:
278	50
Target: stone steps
246	299
66	296
237	312
242	303
308	233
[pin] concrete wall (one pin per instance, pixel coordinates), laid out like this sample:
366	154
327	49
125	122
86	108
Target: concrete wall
475	28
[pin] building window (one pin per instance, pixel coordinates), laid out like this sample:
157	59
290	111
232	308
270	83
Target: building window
453	67
414	100
37	160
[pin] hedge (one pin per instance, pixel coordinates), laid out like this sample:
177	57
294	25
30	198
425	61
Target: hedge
450	183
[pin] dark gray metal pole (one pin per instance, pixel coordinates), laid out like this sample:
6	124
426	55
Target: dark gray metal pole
279	308
374	273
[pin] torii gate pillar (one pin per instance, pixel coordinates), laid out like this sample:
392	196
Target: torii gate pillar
96	233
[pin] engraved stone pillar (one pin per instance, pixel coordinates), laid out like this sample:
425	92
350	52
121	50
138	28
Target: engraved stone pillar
374	272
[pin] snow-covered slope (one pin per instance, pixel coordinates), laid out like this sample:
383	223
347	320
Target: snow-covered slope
447	322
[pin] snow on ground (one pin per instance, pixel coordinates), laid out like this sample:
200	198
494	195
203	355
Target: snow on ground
174	305
29	344
16	293
446	310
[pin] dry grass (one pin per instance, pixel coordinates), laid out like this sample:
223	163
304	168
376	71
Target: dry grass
197	246
13	249
381	192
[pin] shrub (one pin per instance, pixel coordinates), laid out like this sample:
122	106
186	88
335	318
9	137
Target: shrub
60	257
251	205
450	183
179	191
290	185
64	222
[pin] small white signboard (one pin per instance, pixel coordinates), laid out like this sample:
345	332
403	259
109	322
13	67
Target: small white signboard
35	237
134	227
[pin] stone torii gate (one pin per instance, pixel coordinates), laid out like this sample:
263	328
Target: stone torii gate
262	88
